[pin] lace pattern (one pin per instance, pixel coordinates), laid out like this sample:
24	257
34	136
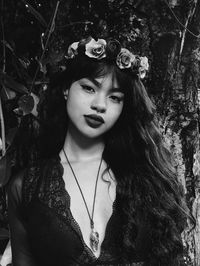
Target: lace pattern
46	184
31	177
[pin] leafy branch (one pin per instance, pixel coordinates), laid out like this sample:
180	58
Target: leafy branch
52	27
12	89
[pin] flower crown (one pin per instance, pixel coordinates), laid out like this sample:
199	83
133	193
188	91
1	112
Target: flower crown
110	49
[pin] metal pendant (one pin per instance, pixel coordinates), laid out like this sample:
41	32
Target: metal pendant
94	240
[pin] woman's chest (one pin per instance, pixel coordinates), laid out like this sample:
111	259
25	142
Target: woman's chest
90	205
91	200
91	194
50	222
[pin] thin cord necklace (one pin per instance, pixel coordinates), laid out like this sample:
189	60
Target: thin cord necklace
94	235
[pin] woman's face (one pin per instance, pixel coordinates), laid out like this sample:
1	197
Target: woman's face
94	105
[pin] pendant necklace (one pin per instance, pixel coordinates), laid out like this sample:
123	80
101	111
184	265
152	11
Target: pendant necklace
94	235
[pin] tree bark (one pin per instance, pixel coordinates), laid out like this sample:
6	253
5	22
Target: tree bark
177	99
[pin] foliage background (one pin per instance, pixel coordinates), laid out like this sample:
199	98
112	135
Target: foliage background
34	38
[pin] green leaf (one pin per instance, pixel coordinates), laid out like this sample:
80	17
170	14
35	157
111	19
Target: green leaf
25	62
11	132
5	169
26	104
7	94
10	83
4	234
35	13
8	45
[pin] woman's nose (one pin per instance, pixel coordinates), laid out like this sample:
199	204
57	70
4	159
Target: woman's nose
99	104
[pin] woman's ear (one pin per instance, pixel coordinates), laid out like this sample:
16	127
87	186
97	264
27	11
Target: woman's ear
65	93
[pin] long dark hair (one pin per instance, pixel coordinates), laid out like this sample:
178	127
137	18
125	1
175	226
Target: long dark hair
134	150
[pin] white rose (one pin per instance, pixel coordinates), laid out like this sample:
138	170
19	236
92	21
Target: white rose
96	49
72	50
125	59
144	66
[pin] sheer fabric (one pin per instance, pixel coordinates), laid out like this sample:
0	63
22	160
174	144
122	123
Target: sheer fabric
44	232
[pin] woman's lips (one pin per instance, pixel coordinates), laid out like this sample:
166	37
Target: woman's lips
94	121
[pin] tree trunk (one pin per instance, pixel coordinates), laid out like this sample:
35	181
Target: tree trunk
177	48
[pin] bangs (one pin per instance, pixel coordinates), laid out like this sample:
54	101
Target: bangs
91	68
84	67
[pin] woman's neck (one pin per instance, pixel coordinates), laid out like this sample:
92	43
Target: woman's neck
80	148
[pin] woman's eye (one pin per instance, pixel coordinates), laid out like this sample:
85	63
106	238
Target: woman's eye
88	88
116	99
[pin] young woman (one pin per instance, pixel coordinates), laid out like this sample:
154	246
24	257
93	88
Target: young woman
105	192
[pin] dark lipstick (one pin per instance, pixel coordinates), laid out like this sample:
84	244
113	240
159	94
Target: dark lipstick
94	120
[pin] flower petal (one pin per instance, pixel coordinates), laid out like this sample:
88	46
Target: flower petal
95	49
72	50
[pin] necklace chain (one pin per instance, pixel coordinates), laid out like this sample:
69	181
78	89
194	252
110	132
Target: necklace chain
95	190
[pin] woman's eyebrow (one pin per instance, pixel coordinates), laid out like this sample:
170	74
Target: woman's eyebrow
95	82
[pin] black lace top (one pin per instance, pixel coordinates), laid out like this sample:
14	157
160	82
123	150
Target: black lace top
44	232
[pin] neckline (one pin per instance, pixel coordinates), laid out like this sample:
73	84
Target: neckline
81	234
77	226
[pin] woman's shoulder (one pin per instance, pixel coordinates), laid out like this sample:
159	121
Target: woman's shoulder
26	182
22	181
